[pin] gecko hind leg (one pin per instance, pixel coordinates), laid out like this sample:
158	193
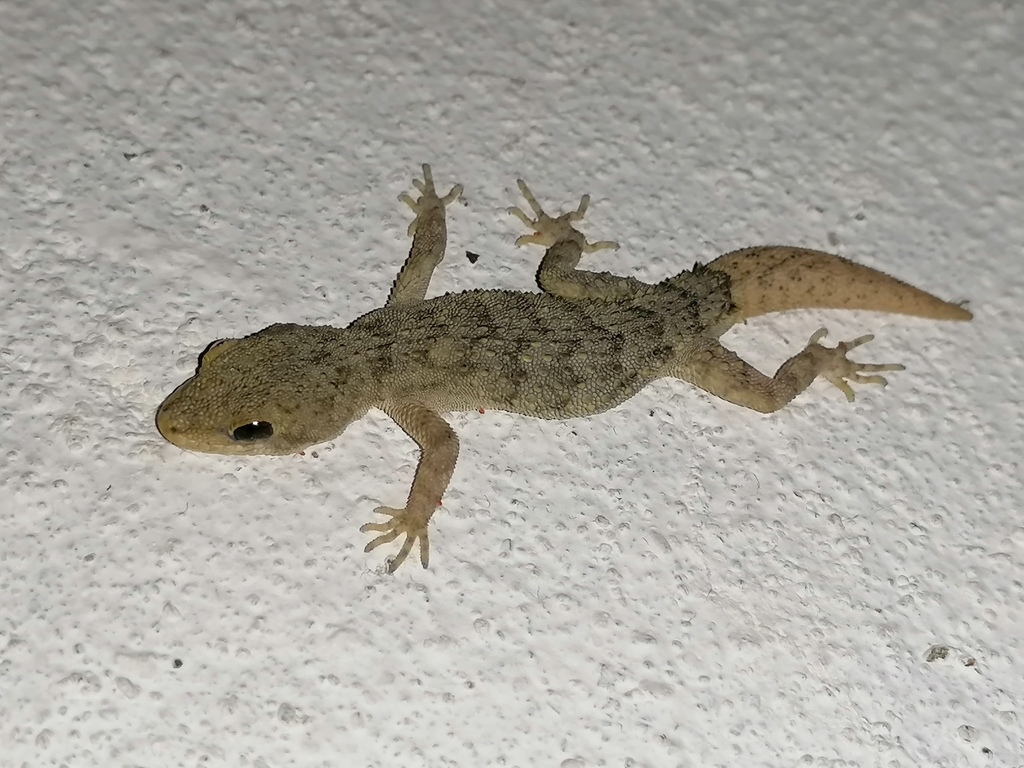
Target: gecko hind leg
725	374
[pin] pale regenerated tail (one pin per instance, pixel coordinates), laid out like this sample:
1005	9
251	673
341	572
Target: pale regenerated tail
774	278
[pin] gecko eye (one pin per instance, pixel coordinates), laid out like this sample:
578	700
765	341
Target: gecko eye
254	430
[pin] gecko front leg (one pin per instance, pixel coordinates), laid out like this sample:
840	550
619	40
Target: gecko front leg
439	446
429	233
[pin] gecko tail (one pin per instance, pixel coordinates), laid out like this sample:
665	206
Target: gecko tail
774	278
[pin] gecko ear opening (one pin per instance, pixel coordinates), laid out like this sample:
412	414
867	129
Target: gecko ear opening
214	349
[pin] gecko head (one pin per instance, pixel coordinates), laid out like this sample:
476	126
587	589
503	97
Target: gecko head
278	391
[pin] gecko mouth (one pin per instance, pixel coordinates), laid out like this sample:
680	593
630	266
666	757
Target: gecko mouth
172	422
176	422
183	436
171	429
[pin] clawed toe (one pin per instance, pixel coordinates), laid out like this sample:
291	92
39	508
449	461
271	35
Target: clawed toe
840	371
428	199
549	230
402	521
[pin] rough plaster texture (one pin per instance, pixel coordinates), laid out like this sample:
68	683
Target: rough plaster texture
676	583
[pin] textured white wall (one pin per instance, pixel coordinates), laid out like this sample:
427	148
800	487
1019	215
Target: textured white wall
675	583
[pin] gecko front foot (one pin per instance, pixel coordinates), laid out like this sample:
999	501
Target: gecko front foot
428	203
548	230
837	370
413	523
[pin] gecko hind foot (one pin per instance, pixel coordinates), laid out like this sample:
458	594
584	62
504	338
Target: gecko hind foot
548	230
412	523
428	202
839	371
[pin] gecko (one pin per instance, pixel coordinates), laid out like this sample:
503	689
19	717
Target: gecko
585	343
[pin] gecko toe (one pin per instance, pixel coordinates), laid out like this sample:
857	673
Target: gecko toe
410	523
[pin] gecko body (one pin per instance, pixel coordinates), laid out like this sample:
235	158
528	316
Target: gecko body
587	342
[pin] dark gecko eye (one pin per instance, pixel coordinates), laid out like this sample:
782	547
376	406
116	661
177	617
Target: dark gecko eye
254	430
